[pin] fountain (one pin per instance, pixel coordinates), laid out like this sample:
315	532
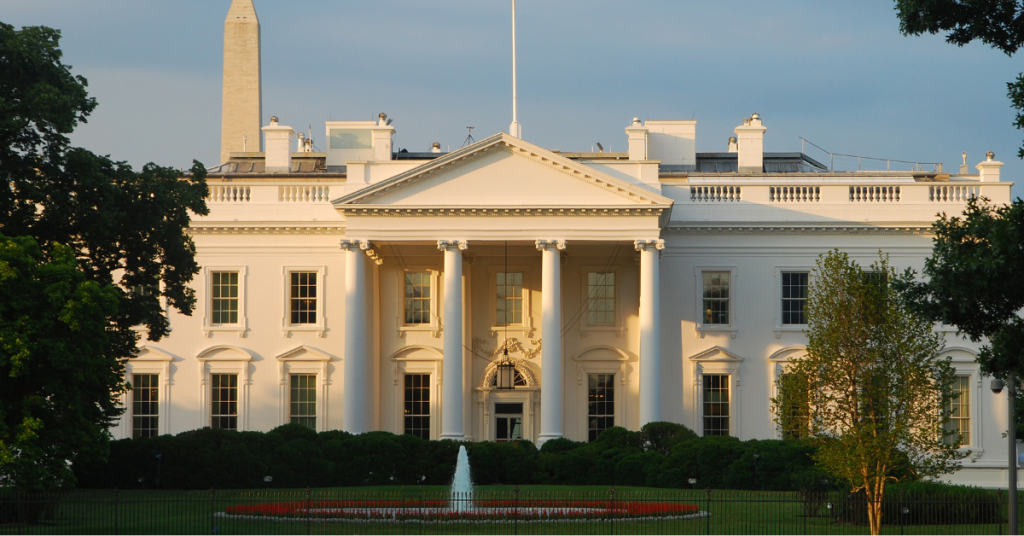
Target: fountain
462	508
462	484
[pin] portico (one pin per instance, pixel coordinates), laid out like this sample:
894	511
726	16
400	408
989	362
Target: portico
536	246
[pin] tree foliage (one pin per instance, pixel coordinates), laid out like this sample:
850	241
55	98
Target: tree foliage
123	228
971	281
877	388
997	23
53	342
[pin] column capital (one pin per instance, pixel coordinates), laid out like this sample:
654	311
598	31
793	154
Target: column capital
643	245
451	245
543	245
355	245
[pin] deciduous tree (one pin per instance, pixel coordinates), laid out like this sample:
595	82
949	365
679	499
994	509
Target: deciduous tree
997	23
124	230
877	387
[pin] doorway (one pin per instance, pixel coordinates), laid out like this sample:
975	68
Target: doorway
508	425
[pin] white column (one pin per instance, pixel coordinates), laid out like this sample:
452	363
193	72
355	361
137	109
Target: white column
650	332
451	376
358	399
551	403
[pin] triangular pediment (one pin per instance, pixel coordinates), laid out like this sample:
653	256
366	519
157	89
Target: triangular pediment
716	353
503	171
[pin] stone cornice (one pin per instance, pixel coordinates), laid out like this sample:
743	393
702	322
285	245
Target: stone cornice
388	210
264	230
705	229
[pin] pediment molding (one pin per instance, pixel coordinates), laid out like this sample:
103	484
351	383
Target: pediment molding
632	195
224	352
394	211
716	354
788	353
152	353
303	353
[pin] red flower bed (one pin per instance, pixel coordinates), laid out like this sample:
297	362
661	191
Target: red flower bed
483	509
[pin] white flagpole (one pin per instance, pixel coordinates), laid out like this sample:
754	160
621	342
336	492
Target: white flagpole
514	129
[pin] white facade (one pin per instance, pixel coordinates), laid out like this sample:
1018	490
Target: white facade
350	224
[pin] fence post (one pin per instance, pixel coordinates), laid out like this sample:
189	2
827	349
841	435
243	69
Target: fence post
708	492
117	500
515	504
999	513
611	511
309	511
213	529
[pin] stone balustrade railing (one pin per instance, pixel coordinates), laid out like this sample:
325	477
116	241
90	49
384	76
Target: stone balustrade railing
271	193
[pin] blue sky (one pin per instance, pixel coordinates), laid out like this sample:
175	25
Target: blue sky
837	73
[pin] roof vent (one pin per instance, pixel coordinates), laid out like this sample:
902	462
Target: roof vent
636	121
436	148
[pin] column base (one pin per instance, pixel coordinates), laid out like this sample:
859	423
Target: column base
544	438
454	437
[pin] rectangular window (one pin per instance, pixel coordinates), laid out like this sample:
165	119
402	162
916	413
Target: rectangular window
716	297
303	298
794	298
417	298
795	409
224	297
601	299
600	404
510	299
224	401
417	405
716	404
145	405
959	410
344	138
303	399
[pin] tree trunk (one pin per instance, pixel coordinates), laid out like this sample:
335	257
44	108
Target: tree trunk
874	511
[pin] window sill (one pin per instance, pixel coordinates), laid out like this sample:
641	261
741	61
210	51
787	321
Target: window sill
704	329
240	329
789	328
526	331
617	330
433	329
320	330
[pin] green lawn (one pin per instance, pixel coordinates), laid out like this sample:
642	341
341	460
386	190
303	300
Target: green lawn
192	512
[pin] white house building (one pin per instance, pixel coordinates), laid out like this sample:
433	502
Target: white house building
363	289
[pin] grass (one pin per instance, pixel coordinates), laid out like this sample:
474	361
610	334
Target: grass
191	512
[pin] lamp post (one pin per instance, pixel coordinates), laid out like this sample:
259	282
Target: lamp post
1011	436
757	485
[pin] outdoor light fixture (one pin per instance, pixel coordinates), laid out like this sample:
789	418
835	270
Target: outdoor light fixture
506	373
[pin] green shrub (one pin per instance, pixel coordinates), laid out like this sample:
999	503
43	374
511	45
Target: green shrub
660	437
296	457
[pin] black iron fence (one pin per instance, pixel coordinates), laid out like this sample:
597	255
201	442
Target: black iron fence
411	511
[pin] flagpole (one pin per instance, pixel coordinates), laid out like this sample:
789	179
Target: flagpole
514	129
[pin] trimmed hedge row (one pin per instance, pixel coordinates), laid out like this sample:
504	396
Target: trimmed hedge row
661	455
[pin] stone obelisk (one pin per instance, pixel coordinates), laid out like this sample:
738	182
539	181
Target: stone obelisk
243	94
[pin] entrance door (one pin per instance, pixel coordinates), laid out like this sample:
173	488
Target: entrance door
508	424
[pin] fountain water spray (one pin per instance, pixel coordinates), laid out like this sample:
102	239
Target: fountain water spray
462	484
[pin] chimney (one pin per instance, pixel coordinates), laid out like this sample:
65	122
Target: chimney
301	146
733	146
278	142
382	134
989	169
637	140
750	145
436	148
